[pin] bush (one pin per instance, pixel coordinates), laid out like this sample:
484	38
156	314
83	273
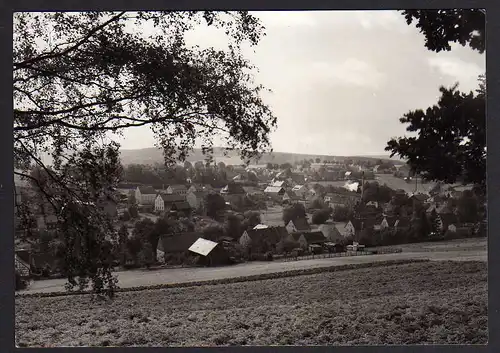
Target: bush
46	271
268	256
20	282
342	214
321	216
130	265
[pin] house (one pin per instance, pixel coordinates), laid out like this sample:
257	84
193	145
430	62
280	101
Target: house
260	226
239	178
279	184
40	260
387	222
334	200
356	225
22	262
443	210
46	222
402	224
290	197
330	232
126	188
233	193
419	197
195	198
164	202
261	240
177	243
300	190
177	189
275	191
447	221
297	178
210	252
311	238
200	188
373	203
253	191
145	195
181	206
110	207
298	225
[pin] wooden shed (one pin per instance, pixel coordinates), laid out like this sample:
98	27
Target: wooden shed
210	252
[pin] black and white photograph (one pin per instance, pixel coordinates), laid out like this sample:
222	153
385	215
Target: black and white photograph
250	178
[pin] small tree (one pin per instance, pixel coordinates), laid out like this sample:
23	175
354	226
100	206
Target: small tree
132	201
321	216
286	246
126	216
146	255
468	207
294	212
342	214
251	219
213	232
433	221
134	246
233	226
133	212
214	203
122	244
317	204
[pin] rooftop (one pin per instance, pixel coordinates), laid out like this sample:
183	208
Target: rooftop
203	246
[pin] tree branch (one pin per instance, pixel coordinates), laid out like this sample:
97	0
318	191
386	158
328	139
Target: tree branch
26	63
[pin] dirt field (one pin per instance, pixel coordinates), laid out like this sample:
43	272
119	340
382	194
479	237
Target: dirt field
398	183
432	303
273	216
462	245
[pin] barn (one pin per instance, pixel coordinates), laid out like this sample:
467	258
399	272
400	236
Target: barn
210	252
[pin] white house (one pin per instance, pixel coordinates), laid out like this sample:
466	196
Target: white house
279	184
145	195
372	203
385	223
350	230
177	189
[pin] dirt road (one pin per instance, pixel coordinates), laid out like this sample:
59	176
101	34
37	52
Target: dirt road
456	251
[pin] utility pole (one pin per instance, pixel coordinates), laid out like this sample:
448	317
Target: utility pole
362	184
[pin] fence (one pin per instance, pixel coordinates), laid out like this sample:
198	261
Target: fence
335	254
323	256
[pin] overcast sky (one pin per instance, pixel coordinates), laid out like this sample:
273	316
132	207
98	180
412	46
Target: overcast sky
341	80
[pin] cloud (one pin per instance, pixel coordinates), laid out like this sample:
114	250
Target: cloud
456	68
286	18
351	72
384	19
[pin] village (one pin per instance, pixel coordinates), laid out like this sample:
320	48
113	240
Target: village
206	178
262	213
